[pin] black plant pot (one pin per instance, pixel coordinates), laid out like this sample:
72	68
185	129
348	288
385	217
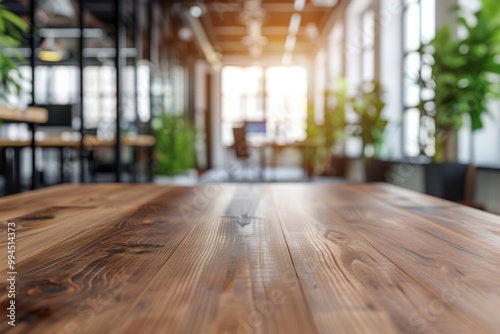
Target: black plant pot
376	170
446	180
338	166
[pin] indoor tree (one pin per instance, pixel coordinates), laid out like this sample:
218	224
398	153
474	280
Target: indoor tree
336	100
463	75
371	124
12	28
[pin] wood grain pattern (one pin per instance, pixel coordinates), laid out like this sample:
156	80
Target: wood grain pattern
119	258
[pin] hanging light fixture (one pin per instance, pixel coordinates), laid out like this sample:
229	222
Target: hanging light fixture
50	51
185	34
196	11
57	7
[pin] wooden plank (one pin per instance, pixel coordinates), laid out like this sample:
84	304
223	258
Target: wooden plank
30	115
250	259
139	141
58	141
76	195
435	257
92	274
478	227
44	228
90	142
14	143
93	142
356	264
231	274
49	142
25	203
337	300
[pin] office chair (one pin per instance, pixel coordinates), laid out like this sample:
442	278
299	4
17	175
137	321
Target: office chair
241	149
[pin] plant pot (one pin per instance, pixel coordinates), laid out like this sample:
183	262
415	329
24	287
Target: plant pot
376	170
338	166
446	180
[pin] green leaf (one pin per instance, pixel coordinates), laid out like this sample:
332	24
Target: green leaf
14	19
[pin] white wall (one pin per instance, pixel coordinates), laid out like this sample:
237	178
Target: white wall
487	140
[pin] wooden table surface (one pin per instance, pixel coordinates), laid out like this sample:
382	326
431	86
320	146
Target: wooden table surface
250	259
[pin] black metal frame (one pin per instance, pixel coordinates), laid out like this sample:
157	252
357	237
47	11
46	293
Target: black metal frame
32	40
82	98
404	153
152	49
119	29
139	6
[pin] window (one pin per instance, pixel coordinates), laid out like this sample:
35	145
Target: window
100	96
335	46
286	102
242	98
320	85
419	26
360	57
143	93
276	94
391	58
367	52
56	84
24	98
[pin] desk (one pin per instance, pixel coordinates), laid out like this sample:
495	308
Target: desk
137	142
254	258
32	116
91	142
307	147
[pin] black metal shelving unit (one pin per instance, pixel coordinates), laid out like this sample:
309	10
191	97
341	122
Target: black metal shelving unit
131	19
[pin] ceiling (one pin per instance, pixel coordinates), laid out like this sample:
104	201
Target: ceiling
242	27
245	28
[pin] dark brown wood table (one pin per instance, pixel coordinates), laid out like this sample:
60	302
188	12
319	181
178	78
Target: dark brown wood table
249	259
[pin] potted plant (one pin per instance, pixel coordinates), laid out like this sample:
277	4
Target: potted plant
336	101
12	28
441	56
479	51
370	127
11	37
175	144
461	85
315	136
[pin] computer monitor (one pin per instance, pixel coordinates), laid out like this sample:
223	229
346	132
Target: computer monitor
59	115
255	127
